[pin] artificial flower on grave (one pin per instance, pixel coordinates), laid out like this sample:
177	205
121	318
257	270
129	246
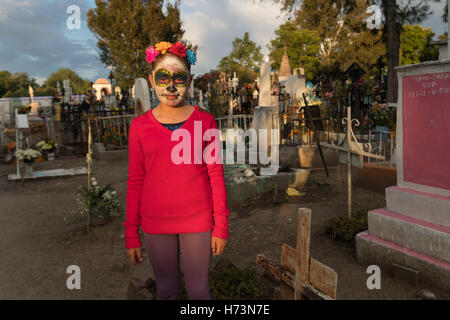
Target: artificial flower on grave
47	145
381	114
94	196
10	147
27	155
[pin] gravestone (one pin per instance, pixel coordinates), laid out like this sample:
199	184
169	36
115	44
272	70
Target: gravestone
142	96
413	231
266	117
67	91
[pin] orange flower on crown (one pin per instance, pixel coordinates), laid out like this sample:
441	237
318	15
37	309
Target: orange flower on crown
163	47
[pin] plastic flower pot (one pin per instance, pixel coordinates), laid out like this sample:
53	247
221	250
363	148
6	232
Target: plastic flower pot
384	136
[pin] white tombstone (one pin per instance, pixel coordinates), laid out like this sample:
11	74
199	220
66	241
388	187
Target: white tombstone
265	95
142	95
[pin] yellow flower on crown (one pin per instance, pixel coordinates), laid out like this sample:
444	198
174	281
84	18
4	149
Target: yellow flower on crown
163	47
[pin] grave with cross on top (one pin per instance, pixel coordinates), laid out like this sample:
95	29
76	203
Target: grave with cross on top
351	152
301	276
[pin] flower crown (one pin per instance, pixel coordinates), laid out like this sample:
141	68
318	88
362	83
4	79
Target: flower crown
180	49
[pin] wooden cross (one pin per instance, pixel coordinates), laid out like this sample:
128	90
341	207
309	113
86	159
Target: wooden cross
308	278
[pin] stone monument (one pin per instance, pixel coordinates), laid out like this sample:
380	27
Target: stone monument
411	236
266	117
142	96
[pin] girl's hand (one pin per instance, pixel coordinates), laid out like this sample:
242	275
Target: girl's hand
135	256
217	245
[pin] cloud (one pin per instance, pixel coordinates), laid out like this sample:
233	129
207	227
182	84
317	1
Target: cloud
36	40
214	24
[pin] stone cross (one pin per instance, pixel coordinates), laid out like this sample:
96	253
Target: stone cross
298	272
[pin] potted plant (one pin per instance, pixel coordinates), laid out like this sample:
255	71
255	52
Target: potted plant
97	201
49	147
382	117
9	150
27	156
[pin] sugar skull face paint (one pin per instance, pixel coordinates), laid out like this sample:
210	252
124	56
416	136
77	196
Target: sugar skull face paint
163	78
171	80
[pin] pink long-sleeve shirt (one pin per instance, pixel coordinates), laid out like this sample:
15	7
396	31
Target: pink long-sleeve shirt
165	196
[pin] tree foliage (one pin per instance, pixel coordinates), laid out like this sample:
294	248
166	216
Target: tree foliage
78	85
415	45
302	48
396	13
125	28
15	85
342	33
245	59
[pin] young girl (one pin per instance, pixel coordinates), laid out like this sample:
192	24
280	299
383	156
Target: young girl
180	205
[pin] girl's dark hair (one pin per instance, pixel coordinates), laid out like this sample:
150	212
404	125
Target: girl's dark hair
161	56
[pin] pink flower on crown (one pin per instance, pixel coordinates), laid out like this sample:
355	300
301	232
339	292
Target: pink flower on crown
151	54
179	49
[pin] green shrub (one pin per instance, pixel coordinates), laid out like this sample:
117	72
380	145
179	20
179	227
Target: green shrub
226	284
236	284
344	229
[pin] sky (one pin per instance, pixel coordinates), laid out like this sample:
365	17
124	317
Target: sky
34	37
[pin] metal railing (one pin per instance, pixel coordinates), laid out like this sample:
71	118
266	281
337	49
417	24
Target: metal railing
383	144
110	130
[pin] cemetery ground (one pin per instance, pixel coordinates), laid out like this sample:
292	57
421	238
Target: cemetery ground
37	245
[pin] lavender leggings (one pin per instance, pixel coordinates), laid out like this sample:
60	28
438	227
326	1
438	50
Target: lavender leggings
163	251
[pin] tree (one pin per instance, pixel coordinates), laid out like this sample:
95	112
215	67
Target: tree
78	85
245	59
201	81
415	45
396	13
125	28
343	34
15	85
302	48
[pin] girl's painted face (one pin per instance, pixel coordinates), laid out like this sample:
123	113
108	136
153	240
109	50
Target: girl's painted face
171	80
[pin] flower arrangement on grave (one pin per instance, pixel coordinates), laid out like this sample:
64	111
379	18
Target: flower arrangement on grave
10	147
9	150
111	136
24	110
47	145
27	155
381	115
97	201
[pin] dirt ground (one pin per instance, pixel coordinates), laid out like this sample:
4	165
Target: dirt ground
37	245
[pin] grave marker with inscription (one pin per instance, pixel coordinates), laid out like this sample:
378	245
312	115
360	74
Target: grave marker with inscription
413	231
